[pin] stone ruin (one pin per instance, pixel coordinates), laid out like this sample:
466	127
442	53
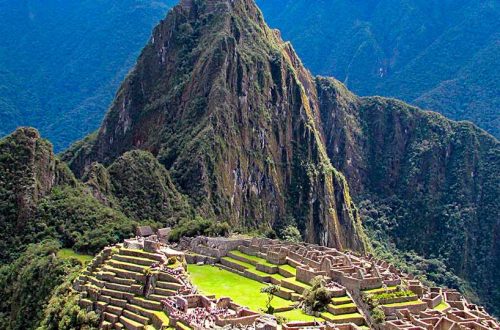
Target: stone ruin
353	275
143	282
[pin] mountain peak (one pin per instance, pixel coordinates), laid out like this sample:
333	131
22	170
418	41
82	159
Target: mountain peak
228	108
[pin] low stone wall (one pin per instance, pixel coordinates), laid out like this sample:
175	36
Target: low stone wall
433	300
257	277
414	309
267	269
370	283
276	258
352	284
396	300
306	275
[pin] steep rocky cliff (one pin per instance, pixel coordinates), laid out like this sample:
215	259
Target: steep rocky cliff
227	107
438	177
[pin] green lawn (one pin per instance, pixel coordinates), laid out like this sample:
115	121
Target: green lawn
408	303
342	300
70	254
243	291
299	315
381	290
441	306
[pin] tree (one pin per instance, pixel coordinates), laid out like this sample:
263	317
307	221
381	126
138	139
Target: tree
271	291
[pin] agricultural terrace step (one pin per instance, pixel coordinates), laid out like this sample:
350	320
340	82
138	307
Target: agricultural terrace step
95	281
341	300
106	325
112	318
355	318
250	271
287	271
131	324
134	260
127	266
113	301
140	310
405	304
118	326
294	285
160	320
257	275
229	269
114	310
115	279
166	277
165	292
342	309
141	254
156	297
168	285
117	294
146	303
117	287
236	264
136	317
123	273
285	293
381	290
254	260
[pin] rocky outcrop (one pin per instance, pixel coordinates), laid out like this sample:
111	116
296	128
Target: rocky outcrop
137	184
28	172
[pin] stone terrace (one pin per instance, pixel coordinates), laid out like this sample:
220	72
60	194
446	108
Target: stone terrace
143	284
352	278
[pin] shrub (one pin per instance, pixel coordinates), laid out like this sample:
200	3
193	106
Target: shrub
291	234
198	226
317	297
378	315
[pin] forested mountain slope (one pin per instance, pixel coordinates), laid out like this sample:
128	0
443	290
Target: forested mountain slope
61	61
440	55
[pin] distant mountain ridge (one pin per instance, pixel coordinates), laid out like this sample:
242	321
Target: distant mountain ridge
61	61
439	55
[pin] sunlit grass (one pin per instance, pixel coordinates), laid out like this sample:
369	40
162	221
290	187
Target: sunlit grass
70	254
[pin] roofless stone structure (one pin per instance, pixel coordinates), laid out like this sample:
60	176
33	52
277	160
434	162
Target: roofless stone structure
144	284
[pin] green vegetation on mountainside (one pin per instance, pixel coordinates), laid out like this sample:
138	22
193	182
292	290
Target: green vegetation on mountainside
207	109
439	55
27	284
425	185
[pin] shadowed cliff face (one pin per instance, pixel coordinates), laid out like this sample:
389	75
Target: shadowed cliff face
227	107
439	178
